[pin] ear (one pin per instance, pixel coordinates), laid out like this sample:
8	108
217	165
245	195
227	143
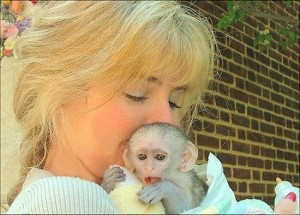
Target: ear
128	165
189	158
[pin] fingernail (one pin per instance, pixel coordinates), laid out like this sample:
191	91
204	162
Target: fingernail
292	196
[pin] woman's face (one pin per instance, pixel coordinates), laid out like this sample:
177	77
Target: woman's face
100	129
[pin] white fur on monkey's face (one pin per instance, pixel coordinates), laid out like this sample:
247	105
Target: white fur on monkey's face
151	163
155	150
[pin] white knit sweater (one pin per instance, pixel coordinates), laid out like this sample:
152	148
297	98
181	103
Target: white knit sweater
44	193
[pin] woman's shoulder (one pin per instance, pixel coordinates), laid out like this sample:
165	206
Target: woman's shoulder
62	194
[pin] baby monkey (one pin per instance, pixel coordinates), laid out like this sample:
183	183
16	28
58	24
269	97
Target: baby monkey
162	157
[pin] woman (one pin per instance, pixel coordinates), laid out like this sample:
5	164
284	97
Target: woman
94	71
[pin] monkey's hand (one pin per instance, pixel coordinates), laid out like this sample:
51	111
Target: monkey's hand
111	177
154	193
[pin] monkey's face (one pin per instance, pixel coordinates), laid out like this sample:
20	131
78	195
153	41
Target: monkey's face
150	165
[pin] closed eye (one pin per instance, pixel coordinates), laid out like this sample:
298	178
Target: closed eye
135	98
173	105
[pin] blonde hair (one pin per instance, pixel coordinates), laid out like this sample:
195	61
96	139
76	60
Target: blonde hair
73	46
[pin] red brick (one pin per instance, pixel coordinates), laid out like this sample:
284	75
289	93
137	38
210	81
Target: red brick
236	69
240	147
242	160
265	104
227	172
240	120
270	188
255	162
279	143
254	112
279	154
232	185
269	176
209	127
278	165
197	125
257	188
227	158
225	130
243	187
268	164
241	134
225	144
264	127
203	140
271	153
256	175
225	116
241	173
237	94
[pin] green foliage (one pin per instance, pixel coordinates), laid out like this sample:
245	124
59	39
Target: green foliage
291	36
236	14
263	40
287	2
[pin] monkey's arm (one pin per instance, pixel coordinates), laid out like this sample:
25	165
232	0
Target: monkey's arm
173	199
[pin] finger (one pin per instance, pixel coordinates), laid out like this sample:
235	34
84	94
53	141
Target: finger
155	200
117	175
111	172
150	187
119	179
149	198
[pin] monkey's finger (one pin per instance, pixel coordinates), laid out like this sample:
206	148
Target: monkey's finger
155	200
146	194
115	169
148	198
156	196
149	188
117	175
119	179
110	172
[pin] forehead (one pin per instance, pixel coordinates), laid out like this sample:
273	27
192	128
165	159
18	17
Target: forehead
152	80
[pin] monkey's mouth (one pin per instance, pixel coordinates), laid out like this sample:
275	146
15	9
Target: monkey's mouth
151	180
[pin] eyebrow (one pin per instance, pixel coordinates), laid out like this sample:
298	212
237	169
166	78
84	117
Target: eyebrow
158	82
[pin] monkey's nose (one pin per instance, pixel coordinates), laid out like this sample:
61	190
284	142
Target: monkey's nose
149	169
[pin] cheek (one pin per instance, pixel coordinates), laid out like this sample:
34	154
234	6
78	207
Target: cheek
110	128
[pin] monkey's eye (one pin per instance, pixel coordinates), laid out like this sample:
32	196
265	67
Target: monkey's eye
160	157
142	157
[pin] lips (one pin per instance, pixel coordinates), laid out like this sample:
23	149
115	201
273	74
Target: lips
151	180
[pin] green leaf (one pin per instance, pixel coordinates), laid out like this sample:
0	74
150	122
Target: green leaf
268	37
231	16
223	23
287	2
230	5
292	35
240	16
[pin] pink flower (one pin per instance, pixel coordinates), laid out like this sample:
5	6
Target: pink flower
7	52
8	30
11	31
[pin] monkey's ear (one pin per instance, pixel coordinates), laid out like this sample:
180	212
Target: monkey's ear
189	158
126	161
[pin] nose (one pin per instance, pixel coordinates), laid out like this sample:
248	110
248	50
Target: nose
161	112
149	166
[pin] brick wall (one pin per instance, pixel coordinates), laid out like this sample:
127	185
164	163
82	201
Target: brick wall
252	122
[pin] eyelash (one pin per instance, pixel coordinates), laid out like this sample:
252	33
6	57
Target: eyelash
142	99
